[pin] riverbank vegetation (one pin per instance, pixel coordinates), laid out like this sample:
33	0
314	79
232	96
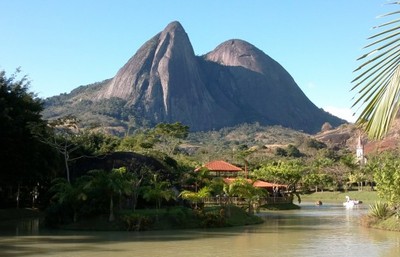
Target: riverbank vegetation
152	177
167	219
385	214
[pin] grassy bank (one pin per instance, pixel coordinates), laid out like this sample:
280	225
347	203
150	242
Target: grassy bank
391	223
368	197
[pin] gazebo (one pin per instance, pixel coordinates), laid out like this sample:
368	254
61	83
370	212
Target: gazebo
221	169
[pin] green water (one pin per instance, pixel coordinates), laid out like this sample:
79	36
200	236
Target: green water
328	230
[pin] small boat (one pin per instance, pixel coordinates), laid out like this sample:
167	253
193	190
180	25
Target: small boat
350	203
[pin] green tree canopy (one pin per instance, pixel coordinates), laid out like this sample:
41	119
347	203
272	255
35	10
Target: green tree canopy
24	160
387	177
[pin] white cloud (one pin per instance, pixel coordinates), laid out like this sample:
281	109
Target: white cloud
344	113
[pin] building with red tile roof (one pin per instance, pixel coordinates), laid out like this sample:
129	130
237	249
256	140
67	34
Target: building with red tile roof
221	169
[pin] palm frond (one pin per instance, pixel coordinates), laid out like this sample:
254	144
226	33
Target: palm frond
379	85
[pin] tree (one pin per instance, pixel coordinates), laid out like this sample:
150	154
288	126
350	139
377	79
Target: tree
137	142
245	189
136	178
293	151
63	131
378	84
289	173
357	177
329	168
67	194
196	197
281	152
114	182
169	136
313	143
24	160
158	191
73	143
95	143
387	178
242	153
317	180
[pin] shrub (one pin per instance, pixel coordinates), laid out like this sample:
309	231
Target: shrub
293	151
136	222
380	210
211	218
313	143
280	152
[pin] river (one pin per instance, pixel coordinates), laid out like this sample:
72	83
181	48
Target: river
327	230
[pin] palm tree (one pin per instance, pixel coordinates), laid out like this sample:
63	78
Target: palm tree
113	182
245	189
379	84
69	194
136	178
158	191
196	197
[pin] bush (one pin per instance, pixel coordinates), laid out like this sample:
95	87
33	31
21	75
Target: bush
293	151
313	143
177	217
136	222
280	152
212	219
380	210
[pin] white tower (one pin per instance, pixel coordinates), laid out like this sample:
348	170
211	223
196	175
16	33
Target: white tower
360	151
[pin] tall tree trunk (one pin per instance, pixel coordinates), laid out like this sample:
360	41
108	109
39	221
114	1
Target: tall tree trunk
18	195
112	217
66	157
251	209
135	197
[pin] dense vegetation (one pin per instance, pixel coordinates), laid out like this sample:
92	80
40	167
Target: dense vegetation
55	165
27	164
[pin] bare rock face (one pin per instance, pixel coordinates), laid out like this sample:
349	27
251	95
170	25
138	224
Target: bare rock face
266	88
235	83
239	53
163	81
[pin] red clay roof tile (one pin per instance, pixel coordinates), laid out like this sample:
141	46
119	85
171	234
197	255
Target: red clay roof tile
221	166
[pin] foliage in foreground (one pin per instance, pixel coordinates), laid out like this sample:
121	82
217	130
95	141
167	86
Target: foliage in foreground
380	210
387	177
378	84
25	162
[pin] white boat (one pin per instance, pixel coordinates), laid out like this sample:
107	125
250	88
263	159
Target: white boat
350	203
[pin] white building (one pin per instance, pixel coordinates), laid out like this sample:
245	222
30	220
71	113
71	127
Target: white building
360	152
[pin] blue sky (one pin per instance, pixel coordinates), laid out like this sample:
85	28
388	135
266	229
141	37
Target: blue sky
61	45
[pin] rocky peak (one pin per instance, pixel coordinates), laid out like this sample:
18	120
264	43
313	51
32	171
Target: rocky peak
235	83
236	52
173	42
141	77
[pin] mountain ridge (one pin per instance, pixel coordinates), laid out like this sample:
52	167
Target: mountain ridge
164	81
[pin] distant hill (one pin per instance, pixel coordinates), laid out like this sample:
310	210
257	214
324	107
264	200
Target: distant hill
165	82
347	136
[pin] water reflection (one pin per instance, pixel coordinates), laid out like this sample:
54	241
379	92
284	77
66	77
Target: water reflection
327	230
